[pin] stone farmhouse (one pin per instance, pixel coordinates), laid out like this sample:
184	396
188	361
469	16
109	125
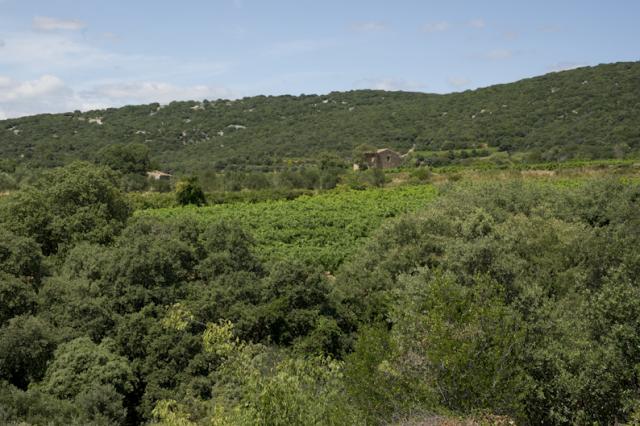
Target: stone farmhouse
383	159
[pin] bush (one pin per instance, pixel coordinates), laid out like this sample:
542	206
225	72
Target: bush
79	202
26	345
189	192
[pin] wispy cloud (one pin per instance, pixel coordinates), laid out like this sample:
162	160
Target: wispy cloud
49	93
436	27
499	54
478	23
369	26
458	82
59	53
25	90
152	91
45	23
390	84
43	94
59	56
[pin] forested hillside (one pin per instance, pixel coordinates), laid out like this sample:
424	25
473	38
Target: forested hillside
586	113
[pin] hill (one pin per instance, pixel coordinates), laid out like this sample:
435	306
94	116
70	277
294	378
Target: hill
586	113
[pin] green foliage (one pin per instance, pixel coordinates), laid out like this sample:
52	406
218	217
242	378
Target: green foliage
75	307
16	297
295	298
20	256
291	391
7	182
323	229
128	159
375	388
102	404
170	413
76	203
360	180
218	339
81	367
516	299
26	345
586	113
462	343
551	340
189	192
33	407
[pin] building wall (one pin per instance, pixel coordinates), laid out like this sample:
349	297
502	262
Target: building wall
383	159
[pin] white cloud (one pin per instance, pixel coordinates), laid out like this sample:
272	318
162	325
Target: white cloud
60	71
49	94
45	23
436	27
61	53
458	82
25	90
565	66
150	91
53	50
369	26
2	43
477	23
390	84
46	93
498	54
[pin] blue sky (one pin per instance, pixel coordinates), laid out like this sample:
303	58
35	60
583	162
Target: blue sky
60	55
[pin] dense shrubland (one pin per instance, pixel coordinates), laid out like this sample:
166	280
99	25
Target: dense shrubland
517	299
586	113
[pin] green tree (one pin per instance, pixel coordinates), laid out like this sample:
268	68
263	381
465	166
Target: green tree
80	365
16	297
79	202
33	407
189	192
129	159
462	344
26	345
20	256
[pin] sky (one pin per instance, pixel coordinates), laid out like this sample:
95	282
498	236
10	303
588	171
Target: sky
63	55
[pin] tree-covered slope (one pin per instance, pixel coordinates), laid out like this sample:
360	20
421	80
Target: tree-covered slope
591	112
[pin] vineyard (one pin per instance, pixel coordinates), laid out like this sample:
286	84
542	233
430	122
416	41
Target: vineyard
321	229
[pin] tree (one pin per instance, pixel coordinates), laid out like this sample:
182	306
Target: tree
129	159
188	191
16	297
26	345
461	344
81	365
79	202
20	256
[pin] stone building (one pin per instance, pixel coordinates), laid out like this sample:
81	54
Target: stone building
383	159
